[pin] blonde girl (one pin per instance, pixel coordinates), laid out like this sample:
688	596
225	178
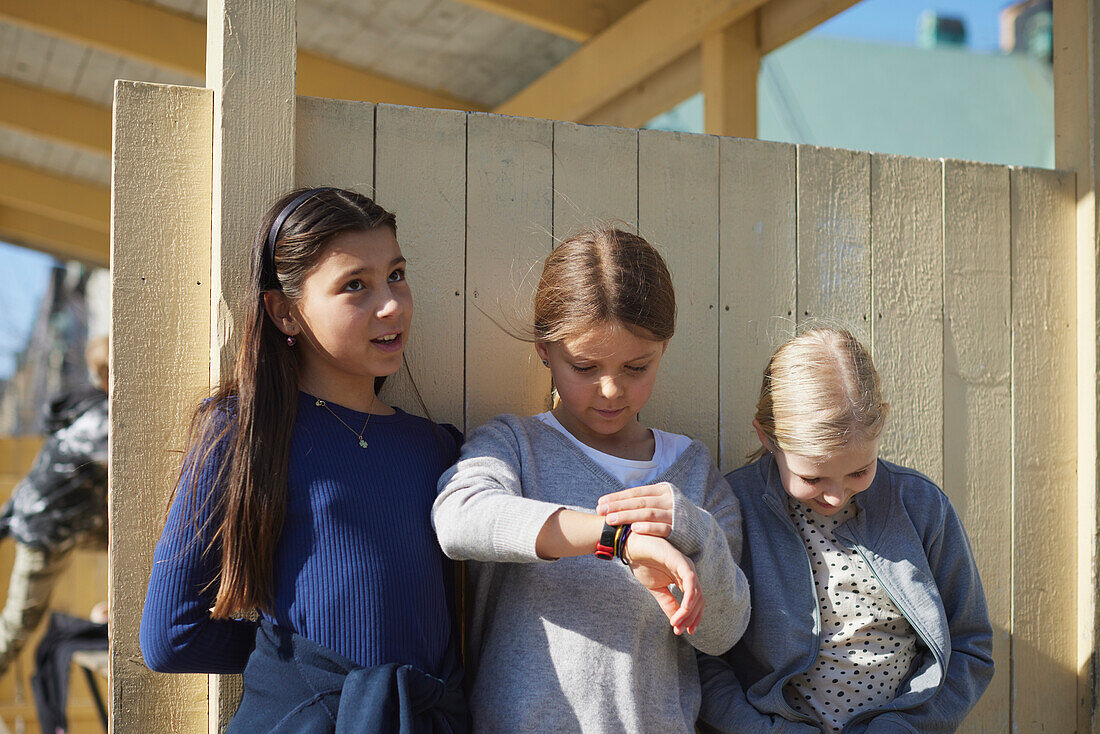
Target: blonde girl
869	615
564	636
305	498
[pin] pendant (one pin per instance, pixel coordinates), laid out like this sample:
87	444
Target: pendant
362	444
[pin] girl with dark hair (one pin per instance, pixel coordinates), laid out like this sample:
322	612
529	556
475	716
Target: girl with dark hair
587	643
306	499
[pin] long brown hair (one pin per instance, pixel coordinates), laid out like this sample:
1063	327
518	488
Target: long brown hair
820	392
604	275
245	427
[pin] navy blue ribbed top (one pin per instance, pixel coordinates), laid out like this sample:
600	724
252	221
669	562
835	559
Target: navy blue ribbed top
357	568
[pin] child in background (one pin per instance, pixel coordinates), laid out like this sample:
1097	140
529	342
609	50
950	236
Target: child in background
61	503
869	615
306	498
581	644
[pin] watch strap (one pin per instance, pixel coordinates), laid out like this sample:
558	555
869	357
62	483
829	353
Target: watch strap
605	546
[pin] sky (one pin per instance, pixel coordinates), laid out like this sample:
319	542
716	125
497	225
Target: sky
23	278
23	273
895	21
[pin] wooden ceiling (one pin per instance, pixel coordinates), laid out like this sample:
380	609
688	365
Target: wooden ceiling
617	62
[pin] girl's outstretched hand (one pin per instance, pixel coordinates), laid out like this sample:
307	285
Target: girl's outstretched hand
657	565
647	509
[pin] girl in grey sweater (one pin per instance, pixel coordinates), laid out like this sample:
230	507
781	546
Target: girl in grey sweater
564	636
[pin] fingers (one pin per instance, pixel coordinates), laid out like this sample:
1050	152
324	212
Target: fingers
659	529
647	508
672	566
685	615
659	495
692	602
682	619
667	601
644	521
692	624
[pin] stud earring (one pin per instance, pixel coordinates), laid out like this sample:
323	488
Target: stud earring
291	341
545	363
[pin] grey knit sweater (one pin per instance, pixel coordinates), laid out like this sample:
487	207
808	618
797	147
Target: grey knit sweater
578	644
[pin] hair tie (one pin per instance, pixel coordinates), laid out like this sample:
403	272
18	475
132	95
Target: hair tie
271	278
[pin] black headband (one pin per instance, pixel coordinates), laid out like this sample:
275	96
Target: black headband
271	280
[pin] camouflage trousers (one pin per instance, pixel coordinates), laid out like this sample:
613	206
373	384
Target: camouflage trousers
33	577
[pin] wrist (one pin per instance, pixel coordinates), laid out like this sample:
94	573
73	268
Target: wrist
568	533
635	547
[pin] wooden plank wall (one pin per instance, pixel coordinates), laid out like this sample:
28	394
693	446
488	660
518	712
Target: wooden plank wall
977	396
957	275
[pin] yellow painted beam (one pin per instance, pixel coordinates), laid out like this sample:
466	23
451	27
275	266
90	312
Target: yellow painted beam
319	76
601	82
142	31
62	239
55	196
782	21
578	20
166	38
731	65
56	116
641	43
658	94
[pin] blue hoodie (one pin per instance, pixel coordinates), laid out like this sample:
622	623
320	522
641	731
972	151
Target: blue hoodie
913	541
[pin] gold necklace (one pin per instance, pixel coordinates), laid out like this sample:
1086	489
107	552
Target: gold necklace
362	443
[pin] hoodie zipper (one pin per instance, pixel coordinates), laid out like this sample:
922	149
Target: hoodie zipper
863	715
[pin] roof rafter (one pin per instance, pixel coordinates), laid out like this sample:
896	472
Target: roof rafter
641	43
782	21
56	196
659	93
169	39
578	20
607	80
61	239
55	116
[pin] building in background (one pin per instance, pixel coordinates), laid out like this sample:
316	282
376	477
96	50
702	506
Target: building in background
936	100
1028	27
74	307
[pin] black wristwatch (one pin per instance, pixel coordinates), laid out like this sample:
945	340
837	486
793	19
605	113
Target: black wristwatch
605	546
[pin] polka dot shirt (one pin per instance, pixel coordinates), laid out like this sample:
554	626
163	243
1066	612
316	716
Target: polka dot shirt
867	645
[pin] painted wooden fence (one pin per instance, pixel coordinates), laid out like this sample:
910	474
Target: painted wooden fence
959	275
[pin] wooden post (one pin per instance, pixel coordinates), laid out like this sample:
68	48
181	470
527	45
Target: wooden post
731	65
1045	667
250	66
160	308
1076	35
